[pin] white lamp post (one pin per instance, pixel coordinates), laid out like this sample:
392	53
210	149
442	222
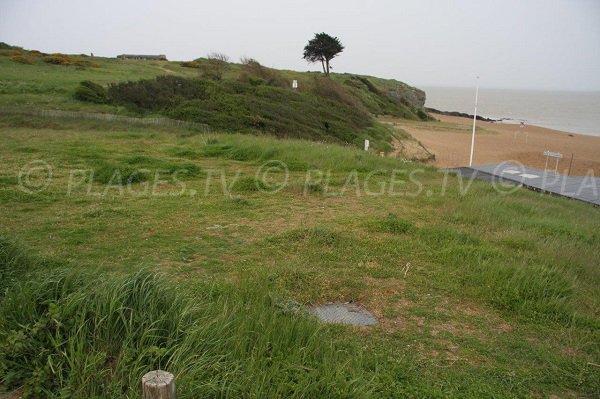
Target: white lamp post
474	120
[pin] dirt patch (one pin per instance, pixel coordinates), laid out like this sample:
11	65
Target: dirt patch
410	149
18	394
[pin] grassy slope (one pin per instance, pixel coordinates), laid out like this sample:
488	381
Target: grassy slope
338	111
52	86
501	297
47	85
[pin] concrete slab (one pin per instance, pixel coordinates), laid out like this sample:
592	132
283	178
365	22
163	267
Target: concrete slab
583	188
344	313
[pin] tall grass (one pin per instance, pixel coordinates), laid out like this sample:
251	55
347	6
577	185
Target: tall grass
16	263
74	334
298	155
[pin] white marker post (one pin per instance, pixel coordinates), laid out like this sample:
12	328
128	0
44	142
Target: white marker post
474	120
294	84
366	145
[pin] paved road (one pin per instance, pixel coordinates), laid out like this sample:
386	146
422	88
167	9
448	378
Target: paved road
583	188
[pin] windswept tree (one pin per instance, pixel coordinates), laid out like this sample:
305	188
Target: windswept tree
322	48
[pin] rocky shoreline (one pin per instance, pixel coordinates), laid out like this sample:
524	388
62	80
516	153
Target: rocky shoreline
462	115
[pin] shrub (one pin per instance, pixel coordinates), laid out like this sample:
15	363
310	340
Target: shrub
422	115
155	94
190	64
21	59
91	92
253	105
370	86
58	59
6	46
66	60
253	69
213	69
328	88
218	57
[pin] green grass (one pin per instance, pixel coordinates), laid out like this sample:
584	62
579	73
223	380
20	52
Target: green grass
52	86
482	295
166	247
244	98
86	335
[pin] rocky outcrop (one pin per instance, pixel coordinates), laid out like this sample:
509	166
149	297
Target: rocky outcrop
461	114
411	95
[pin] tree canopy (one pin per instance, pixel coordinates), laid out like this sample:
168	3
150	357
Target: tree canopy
322	48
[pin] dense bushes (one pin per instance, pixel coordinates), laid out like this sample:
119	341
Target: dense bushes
91	92
18	54
67	60
254	72
213	68
190	64
328	88
21	59
58	59
157	94
260	99
6	46
258	103
250	97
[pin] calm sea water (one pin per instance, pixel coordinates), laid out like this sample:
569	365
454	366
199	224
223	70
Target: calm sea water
576	112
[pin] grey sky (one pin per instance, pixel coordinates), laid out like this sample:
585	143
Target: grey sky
536	44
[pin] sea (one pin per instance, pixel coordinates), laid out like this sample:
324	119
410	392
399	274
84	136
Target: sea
569	111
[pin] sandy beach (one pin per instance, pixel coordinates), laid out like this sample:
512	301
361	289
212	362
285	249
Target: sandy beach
449	140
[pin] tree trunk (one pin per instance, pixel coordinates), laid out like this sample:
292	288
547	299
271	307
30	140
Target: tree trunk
327	63
323	65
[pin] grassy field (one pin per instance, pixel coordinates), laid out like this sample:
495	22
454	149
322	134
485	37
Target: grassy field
477	293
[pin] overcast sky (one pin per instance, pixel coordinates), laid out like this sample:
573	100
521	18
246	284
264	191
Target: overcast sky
535	44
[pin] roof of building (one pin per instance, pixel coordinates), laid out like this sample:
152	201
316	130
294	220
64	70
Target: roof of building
147	56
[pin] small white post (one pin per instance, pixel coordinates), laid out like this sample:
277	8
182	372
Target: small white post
474	120
158	384
294	84
366	145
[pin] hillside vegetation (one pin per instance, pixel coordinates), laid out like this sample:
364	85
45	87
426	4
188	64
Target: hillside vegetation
246	97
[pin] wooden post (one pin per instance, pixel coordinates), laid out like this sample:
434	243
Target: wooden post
158	384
